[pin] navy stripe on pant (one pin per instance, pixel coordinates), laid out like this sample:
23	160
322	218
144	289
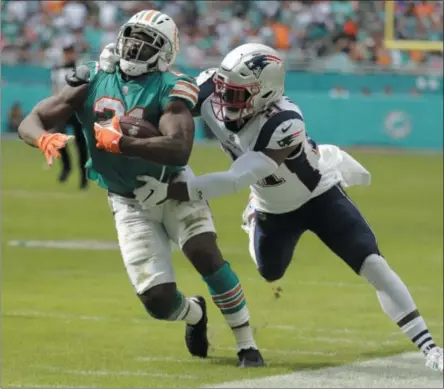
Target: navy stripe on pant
332	216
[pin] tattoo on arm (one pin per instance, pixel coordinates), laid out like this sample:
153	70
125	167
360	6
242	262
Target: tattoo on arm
174	147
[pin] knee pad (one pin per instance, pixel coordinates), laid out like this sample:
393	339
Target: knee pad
159	301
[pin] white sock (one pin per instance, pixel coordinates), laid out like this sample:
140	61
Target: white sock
244	338
191	313
416	329
396	301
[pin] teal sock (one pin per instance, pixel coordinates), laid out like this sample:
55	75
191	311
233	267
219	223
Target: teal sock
228	295
179	306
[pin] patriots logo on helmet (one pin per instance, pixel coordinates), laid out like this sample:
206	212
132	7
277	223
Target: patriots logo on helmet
259	62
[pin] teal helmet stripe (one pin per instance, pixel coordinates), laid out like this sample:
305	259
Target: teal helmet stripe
157	16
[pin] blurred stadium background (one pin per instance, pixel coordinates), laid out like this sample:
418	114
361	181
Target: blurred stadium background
367	75
381	60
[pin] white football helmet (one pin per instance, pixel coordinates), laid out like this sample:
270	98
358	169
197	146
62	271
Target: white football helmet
148	42
249	79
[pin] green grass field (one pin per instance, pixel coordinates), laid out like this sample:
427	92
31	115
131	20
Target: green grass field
70	318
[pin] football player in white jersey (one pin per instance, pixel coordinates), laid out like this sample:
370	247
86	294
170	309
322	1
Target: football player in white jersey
293	189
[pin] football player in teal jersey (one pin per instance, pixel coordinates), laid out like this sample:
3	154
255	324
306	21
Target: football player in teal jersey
144	87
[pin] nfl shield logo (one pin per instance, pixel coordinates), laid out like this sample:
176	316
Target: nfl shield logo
125	90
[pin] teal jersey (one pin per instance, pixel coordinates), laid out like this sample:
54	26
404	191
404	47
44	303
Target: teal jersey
144	97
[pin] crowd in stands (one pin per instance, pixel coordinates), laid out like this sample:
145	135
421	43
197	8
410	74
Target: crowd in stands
332	35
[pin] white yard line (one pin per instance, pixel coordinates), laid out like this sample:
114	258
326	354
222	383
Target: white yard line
113	245
200	361
28	385
53	315
331	331
66	244
402	371
36	194
68	316
170	359
134	373
347	340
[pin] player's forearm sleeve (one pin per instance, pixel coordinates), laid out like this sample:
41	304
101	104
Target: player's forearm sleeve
246	170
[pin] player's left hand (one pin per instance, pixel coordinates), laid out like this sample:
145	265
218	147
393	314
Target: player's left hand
151	193
108	135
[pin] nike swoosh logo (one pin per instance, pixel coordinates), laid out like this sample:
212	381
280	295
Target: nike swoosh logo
284	130
149	195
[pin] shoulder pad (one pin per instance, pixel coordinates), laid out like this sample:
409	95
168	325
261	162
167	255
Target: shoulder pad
282	130
204	76
173	76
206	87
78	76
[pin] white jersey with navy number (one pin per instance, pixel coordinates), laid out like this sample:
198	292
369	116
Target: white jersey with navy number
299	177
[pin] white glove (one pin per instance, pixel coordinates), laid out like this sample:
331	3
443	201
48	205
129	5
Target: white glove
108	58
152	193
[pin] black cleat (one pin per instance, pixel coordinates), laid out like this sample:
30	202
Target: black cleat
64	174
196	337
250	357
84	183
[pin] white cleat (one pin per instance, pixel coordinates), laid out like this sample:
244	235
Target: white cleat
434	359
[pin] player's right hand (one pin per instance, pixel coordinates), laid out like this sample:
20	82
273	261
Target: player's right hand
108	135
108	58
50	144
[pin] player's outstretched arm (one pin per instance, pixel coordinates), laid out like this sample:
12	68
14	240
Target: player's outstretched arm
174	147
40	128
247	170
51	114
270	151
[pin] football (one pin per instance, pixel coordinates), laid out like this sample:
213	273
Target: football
137	128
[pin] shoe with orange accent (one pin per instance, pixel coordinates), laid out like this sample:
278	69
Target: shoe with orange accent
108	135
50	144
